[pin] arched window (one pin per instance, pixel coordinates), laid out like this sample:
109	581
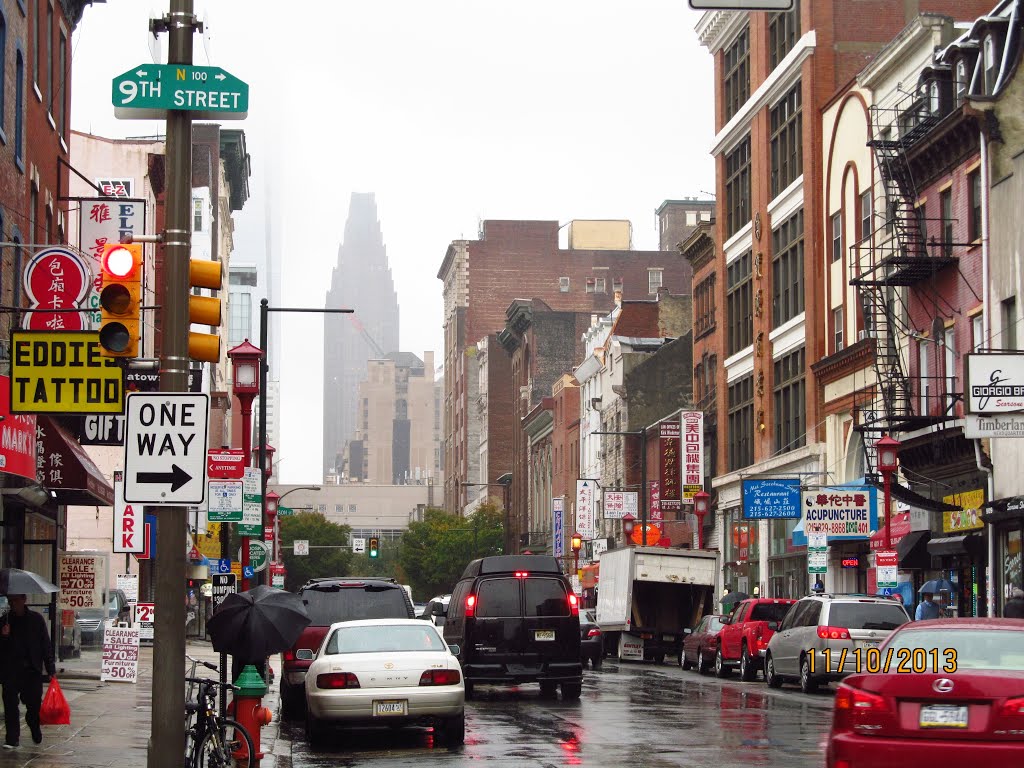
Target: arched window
960	82
19	109
933	98
991	65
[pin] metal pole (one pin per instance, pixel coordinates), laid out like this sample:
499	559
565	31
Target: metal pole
887	477
246	407
643	486
167	730
264	367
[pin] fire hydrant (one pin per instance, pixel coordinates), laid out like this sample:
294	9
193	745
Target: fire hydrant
247	706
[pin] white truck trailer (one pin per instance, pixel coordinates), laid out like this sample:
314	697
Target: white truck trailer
648	596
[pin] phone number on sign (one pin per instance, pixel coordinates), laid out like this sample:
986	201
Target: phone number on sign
898	660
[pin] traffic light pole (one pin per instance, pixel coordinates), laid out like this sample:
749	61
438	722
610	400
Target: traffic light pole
167	733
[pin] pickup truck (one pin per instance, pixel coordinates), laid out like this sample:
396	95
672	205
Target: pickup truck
744	638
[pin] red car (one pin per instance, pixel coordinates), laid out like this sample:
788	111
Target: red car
699	643
746	633
952	696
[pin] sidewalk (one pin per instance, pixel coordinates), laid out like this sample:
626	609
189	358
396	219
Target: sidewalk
111	722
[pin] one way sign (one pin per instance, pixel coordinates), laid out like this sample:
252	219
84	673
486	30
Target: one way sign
165	448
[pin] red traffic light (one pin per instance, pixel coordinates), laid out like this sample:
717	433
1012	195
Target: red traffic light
119	262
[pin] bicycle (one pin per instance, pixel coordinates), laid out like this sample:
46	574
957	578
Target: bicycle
212	741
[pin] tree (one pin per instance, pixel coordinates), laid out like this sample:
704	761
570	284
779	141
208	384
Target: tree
334	560
435	551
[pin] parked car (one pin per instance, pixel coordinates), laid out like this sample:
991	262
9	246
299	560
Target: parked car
384	672
437	607
591	640
516	619
329	601
91	621
745	636
420	609
963	703
699	644
831	623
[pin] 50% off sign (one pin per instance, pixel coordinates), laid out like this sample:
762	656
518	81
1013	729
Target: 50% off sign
120	654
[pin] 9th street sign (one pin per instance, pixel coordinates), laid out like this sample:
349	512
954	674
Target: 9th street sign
151	90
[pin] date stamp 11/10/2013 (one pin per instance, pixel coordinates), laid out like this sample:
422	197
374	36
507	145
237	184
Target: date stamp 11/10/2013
874	660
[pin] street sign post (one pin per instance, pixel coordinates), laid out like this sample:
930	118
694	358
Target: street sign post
300	546
165	448
153	90
259	556
886	569
358	546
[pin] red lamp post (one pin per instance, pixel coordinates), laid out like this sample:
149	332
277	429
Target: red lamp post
701	500
272	499
268	464
628	521
888	462
576	543
245	383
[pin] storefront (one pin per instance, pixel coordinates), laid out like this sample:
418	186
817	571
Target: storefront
787	563
961	553
741	552
1005	521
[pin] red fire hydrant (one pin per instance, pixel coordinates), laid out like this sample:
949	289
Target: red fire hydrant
248	708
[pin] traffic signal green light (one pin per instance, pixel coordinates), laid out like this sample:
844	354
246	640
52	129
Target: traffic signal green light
374	550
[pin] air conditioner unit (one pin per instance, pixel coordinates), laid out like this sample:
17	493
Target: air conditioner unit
865	334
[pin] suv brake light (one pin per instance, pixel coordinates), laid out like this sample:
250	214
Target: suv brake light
440	677
1013	707
595	632
833	633
574	604
470	605
522	574
334	680
289	656
853	704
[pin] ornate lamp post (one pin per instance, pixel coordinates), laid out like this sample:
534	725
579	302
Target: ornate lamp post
268	461
628	522
271	504
701	500
245	361
576	543
888	462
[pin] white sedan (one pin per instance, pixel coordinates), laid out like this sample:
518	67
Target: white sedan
385	672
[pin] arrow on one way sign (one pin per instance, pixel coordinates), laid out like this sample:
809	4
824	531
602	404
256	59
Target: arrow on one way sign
177	477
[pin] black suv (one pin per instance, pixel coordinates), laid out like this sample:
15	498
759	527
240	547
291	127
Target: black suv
516	619
330	600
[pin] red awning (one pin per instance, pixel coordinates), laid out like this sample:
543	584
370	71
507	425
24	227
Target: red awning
65	468
900	528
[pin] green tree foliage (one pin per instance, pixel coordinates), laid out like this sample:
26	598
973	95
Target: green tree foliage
434	553
315	528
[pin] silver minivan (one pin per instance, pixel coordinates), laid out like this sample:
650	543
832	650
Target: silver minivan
809	645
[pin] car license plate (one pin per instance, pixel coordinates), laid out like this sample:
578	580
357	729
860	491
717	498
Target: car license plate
867	643
943	716
668	639
544	634
390	708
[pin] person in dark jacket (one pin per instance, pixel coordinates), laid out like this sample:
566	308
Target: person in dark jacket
26	655
1014	608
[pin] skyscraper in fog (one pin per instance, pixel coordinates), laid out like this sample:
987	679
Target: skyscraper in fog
362	282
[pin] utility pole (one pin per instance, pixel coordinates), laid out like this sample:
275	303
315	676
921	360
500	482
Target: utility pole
167	734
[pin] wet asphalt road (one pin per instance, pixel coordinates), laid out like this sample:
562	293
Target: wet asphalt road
636	715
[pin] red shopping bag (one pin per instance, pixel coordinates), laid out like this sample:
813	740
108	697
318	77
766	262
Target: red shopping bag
55	709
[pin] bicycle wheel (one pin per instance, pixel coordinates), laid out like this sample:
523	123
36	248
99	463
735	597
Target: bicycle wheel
226	746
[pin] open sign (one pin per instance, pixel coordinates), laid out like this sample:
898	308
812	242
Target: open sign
851	562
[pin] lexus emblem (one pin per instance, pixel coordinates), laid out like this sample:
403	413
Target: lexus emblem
943	685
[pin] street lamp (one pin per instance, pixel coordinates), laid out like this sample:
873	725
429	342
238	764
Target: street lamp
577	544
888	462
273	506
245	361
701	500
271	502
268	460
628	521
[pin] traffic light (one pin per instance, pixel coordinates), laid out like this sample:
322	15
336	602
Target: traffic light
374	550
120	299
204	310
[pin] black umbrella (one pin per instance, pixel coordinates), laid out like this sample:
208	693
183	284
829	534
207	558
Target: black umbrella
14	581
732	598
259	623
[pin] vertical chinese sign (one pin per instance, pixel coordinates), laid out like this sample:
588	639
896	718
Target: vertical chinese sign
669	445
558	527
654	507
693	454
585	508
106	220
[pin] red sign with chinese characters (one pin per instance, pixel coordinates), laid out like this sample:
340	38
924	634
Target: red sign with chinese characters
671	465
56	278
17	437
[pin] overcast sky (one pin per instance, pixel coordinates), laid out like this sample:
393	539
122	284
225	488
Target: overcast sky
449	111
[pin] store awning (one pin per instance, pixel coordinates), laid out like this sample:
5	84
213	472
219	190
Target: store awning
66	469
971	544
913	550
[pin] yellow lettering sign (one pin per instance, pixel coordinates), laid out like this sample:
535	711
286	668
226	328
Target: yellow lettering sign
63	372
968	518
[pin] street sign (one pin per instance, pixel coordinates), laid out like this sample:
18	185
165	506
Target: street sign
223	585
301	546
358	547
259	555
152	90
165	447
817	553
225	464
886	568
225	501
221	565
252	500
617	504
128	522
285	512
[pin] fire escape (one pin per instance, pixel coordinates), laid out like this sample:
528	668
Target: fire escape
894	257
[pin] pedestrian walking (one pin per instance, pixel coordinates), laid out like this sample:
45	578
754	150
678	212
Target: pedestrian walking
927	608
1014	608
26	657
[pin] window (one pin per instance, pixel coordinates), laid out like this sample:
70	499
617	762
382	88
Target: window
741	423
977	332
783	32
545	597
654	280
197	214
599	286
240	318
19	109
33	37
616	284
1009	312
737	187
837	236
974	200
865	215
590	285
922	371
991	67
739	304
946	213
837	329
3	71
788	269
786	144
48	85
498	598
949	355
563	284
933	98
960	83
62	90
736	66
704	306
790	402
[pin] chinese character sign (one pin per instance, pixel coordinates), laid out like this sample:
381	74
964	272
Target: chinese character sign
841	512
655	503
669	445
618	503
57	279
558	526
585	508
771	499
105	220
693	454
